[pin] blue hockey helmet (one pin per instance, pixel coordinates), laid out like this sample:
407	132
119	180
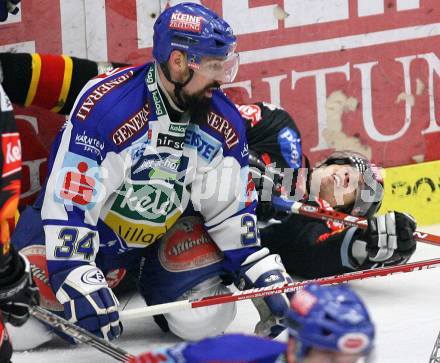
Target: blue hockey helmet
330	318
195	30
370	192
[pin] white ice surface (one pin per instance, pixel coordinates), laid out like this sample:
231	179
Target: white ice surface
405	308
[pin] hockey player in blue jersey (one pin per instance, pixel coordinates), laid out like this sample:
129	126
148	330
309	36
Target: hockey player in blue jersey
145	147
326	324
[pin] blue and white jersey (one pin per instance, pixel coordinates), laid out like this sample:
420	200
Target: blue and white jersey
121	173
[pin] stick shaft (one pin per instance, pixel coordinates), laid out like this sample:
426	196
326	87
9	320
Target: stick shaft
79	333
349	220
272	290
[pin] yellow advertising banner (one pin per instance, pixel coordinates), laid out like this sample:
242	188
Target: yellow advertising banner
414	189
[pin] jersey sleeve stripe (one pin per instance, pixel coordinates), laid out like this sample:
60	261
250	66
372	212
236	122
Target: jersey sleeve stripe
51	77
67	79
36	67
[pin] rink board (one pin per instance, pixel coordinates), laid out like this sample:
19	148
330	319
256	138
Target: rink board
414	189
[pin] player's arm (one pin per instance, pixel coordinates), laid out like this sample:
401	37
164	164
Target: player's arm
273	135
311	248
79	183
17	291
52	82
226	197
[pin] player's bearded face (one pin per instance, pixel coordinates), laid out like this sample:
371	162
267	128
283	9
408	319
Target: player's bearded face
198	102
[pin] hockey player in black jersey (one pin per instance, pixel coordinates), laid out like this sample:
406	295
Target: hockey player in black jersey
309	247
17	291
313	248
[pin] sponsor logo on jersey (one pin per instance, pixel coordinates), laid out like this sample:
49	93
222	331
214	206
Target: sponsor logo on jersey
139	234
186	22
290	145
223	127
90	144
158	166
251	113
77	186
132	126
143	209
78	182
137	150
171	141
93	277
149	201
141	214
177	128
150	78
187	246
99	92
11	148
158	104
206	145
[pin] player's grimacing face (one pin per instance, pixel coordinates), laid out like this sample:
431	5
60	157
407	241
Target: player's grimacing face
336	184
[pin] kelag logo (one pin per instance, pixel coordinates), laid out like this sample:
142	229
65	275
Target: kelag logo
158	105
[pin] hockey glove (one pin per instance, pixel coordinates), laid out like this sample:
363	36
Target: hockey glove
263	270
17	292
90	303
388	240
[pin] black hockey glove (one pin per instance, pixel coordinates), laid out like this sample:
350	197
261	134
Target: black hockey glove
17	290
390	238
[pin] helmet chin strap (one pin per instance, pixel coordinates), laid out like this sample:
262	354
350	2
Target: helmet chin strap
178	86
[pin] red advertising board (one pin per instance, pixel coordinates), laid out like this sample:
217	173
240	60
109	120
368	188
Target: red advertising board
358	74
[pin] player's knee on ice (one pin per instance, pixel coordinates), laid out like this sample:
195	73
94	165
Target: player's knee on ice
196	324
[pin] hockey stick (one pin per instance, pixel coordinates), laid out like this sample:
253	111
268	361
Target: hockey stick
79	333
334	216
275	289
435	355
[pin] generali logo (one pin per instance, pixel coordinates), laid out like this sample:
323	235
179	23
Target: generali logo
98	93
223	127
132	126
